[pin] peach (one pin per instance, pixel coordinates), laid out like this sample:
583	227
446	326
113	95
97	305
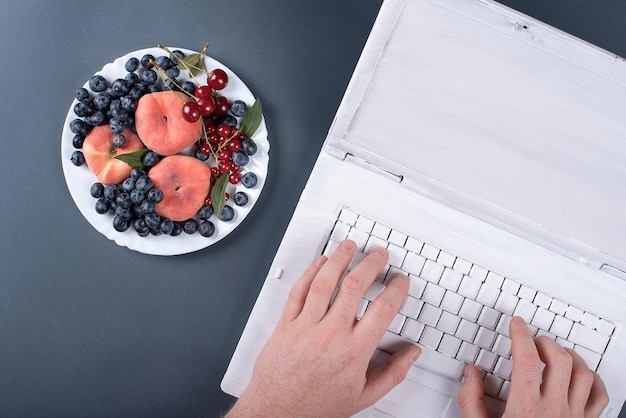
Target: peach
160	124
99	154
185	182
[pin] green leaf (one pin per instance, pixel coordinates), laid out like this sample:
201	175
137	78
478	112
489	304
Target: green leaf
252	119
194	63
218	194
133	159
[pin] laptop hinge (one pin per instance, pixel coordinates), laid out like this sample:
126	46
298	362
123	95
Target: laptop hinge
372	167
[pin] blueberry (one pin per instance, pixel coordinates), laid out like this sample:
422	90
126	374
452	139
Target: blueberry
132	79
153	88
240	158
119	87
164	62
116	124
132	64
229	120
118	140
150	158
102	206
170	85
200	155
111	191
128	103
249	180
97	83
190	226
172	72
143	183
137	91
147	207
77	158
238	108
149	77
97	190
120	224
205	213
177	55
166	226
137	172
78	141
123	213
227	214
152	220
248	146
97	118
137	196
145	61
115	107
82	94
241	198
140	227
128	185
206	228
123	200
79	127
102	100
178	229
155	195
84	108
189	87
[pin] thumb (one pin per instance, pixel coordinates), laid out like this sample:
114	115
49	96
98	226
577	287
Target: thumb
388	375
471	394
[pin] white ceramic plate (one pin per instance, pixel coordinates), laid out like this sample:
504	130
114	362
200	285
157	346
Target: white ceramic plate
80	179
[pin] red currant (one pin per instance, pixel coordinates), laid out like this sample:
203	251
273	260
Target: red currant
234	168
224	166
207	201
234	145
214	139
205	149
210	127
222	106
224	130
218	79
202	91
234	178
191	111
224	155
206	105
215	173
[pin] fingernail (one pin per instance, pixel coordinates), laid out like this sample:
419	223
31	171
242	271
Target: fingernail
319	261
415	354
379	251
347	245
468	373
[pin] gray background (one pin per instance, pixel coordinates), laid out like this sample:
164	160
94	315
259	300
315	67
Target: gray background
88	328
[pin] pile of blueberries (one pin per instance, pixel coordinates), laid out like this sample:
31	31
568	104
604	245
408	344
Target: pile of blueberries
133	201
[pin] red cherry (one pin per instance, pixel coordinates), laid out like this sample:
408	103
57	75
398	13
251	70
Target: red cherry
234	145
222	106
206	105
202	91
191	111
234	178
218	79
224	155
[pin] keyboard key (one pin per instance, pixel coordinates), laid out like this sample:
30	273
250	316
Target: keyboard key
503	368
510	286
488	295
340	232
506	303
466	330
431	337
574	313
590	320
449	345
451	279
413	245
373	291
492	384
589	338
397	237
448	323
485	338
413	263
488	318
430	252
374	242
445	259
397	324
396	255
411	307
432	271
348	216
362	308
429	315
440	363
467	352
470	310
451	302
592	358
561	326
526	293
558	307
412	330
433	294
525	309
494	279
478	273
543	333
469	287
543	318
462	266
359	237
486	360
417	286
502	346
364	224
381	231
504	391
503	325
605	327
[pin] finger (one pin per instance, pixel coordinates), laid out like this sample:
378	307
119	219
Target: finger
472	393
323	285
299	291
526	373
581	383
558	369
356	283
382	310
598	398
387	376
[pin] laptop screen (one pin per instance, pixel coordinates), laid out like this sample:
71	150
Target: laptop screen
522	120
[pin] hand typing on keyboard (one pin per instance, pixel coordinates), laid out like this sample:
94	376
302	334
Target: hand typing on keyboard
316	363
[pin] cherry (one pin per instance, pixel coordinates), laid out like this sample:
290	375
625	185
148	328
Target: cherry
222	106
206	105
218	79
202	91
191	111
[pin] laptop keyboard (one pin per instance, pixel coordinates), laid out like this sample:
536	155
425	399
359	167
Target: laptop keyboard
459	312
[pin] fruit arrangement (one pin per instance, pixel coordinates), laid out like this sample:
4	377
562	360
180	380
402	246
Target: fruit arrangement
173	148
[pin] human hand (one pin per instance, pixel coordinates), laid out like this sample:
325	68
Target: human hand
565	387
316	362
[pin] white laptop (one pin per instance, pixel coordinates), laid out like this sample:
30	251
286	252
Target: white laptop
487	150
